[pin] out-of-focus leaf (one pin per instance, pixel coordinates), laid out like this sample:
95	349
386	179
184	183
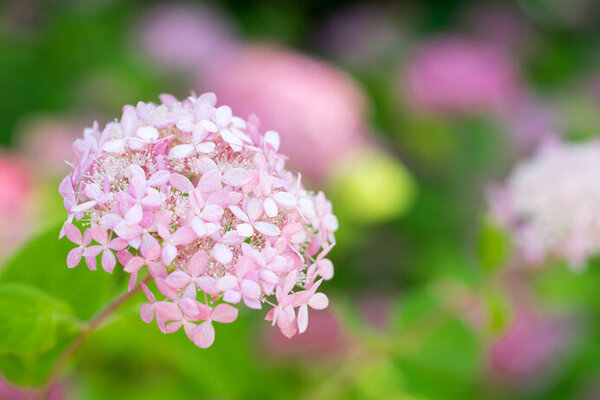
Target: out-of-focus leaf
30	320
34	328
493	246
41	263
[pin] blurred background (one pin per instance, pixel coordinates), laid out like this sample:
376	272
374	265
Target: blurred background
415	117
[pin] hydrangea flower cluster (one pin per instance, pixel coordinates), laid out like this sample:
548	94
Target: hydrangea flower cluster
202	199
550	203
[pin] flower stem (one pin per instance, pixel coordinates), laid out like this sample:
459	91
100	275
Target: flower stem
80	340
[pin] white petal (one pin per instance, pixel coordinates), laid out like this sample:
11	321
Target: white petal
285	199
318	301
148	133
114	146
205	147
181	151
223	115
245	230
302	318
222	253
267	229
272	138
270	207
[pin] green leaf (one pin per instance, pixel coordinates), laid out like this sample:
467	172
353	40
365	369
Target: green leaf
30	320
493	246
41	263
34	328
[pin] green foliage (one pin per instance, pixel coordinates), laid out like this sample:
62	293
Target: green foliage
30	320
42	301
33	328
493	246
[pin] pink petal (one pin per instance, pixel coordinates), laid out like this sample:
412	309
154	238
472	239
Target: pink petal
198	262
153	198
147	312
126	231
134	215
204	335
168	311
178	279
73	233
239	213
318	301
212	213
114	146
84	206
267	229
181	183
129	120
272	139
99	234
137	182
252	303
237	177
285	199
92	251
250	289
159	178
169	252
207	284
222	253
134	264
181	151
199	227
290	281
325	268
74	257
210	181
108	261
270	207
183	235
205	147
302	318
254	209
245	230
227	282
224	313
232	296
223	115
148	133
117	244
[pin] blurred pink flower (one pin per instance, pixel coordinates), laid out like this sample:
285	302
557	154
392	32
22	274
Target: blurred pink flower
318	110
529	348
16	201
499	23
550	203
360	35
458	75
529	121
46	141
184	36
10	392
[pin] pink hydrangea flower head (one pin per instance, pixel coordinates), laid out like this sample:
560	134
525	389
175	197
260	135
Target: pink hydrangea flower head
549	203
457	75
201	200
530	347
318	110
184	36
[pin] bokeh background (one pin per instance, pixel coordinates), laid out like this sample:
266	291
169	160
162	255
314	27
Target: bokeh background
408	114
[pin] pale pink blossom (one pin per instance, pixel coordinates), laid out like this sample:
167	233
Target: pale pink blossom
318	110
530	348
201	200
549	203
457	75
183	36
